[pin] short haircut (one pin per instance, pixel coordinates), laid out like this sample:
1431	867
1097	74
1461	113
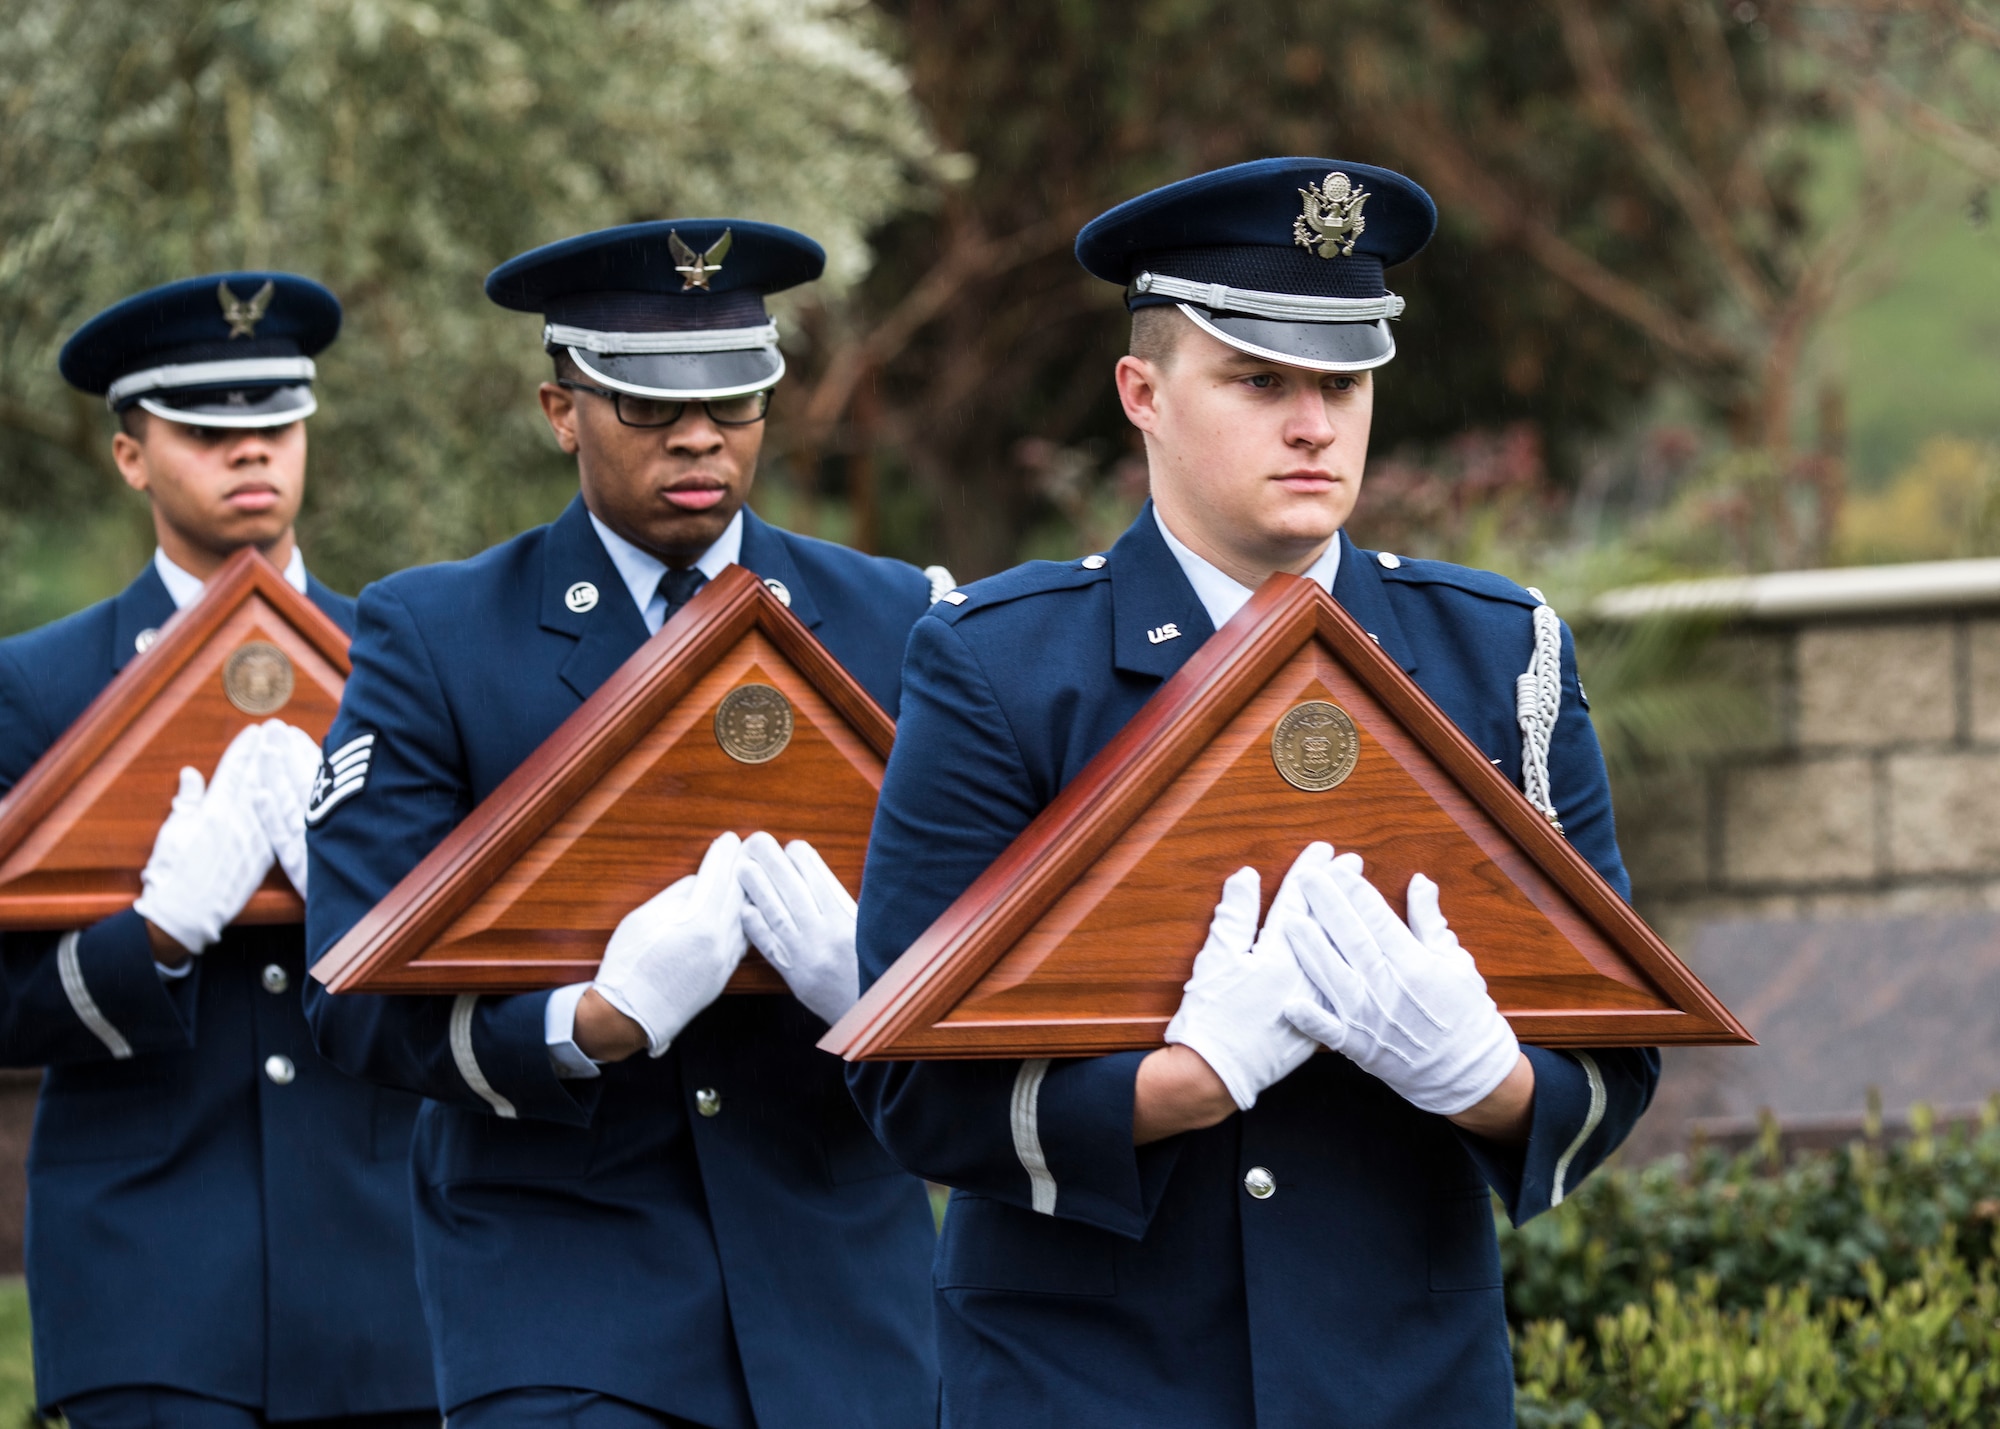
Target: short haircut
133	421
566	368
1157	332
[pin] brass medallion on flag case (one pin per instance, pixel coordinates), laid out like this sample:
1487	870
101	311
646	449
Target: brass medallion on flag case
753	724
1315	746
258	678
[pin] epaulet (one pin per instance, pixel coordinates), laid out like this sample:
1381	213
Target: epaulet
1407	570
1032	579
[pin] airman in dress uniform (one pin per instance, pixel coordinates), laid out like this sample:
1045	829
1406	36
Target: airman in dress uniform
1231	1231
708	1234
218	1221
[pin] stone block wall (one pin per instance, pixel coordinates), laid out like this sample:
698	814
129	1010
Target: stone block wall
1873	787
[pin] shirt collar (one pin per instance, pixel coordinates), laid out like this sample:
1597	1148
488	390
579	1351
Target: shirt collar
1222	595
641	570
182	588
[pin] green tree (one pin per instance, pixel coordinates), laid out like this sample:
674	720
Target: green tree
396	150
977	341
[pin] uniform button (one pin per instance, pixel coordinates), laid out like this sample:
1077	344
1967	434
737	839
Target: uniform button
1093	563
707	1101
1388	560
1260	1183
280	1069
275	979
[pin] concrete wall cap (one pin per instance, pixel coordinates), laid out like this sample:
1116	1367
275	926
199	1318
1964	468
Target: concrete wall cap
1801	595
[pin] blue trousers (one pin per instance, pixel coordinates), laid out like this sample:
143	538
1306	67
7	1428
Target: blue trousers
151	1407
561	1409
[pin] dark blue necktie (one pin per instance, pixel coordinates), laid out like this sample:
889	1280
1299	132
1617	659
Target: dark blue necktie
678	587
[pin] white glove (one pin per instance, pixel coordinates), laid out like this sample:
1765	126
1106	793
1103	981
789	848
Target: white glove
211	852
287	763
1232	1009
671	956
800	917
1408	1005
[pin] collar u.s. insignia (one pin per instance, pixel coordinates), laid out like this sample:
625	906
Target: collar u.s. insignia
1332	219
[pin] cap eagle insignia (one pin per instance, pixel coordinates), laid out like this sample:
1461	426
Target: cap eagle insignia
243	317
697	268
1332	219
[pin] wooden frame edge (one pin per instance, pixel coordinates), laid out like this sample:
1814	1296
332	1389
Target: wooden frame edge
377	950
1089	814
896	1017
142	680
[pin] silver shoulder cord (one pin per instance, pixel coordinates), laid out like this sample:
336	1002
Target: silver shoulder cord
1537	703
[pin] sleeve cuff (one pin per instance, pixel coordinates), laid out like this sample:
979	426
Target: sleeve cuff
115	988
1570	1107
1083	1124
559	1032
501	1047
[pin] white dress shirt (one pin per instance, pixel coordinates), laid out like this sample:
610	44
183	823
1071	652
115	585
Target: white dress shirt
1223	595
641	572
642	569
183	587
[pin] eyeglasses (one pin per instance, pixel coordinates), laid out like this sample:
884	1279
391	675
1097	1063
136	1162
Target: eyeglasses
744	411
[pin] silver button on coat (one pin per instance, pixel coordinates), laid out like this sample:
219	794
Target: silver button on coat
1260	1183
275	978
707	1101
280	1069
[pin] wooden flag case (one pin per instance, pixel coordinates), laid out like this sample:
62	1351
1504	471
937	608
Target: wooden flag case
77	830
1077	940
732	717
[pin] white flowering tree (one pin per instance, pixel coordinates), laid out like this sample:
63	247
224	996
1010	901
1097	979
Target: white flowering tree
396	150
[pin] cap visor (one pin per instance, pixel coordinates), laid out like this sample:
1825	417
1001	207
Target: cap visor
684	376
1321	347
237	407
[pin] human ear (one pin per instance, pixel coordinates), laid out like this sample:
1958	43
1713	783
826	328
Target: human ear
1139	392
559	408
129	455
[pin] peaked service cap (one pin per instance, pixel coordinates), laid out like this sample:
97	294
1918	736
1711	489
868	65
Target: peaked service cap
1281	258
227	350
671	309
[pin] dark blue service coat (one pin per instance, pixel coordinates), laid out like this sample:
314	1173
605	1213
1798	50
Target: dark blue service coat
763	1265
1148	1287
193	1223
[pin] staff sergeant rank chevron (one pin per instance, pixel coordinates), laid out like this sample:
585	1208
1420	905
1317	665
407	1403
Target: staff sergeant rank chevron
342	775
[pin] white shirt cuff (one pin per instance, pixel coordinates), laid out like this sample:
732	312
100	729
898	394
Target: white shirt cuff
559	1031
174	974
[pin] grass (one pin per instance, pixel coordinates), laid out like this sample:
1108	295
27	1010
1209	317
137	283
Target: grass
1919	352
17	1365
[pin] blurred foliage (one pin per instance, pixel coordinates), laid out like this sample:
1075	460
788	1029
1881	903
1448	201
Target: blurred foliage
1923	1352
1945	503
977	331
1857	1287
1751	1222
1923	343
1626	192
17	1363
1660	698
396	150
